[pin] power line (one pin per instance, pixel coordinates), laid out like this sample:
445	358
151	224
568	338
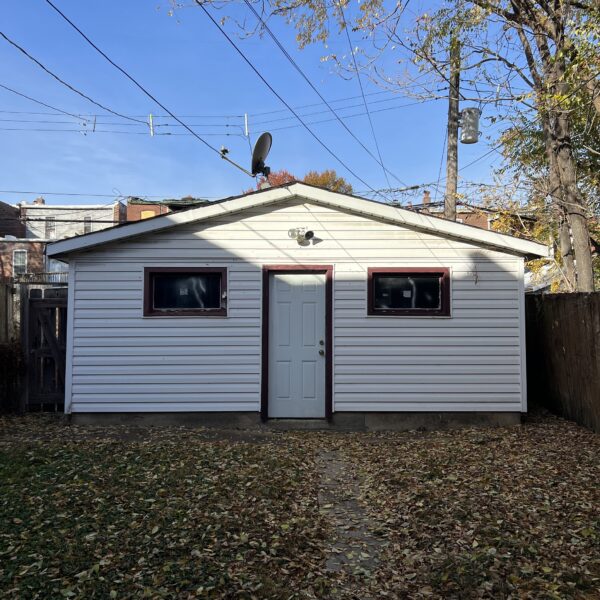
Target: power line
64	112
141	87
310	83
89	195
441	163
107	123
225	125
358	114
270	112
362	92
249	63
37	62
91	132
293	126
54	220
90	116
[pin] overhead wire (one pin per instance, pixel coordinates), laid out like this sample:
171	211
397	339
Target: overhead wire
360	114
58	110
261	77
63	82
314	88
83	131
142	88
284	127
441	164
89	195
227	125
89	116
362	92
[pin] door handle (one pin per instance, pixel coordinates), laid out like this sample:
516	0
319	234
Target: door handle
322	352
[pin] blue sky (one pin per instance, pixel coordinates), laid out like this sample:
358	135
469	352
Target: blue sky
186	63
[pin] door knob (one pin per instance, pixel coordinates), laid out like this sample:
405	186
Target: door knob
322	352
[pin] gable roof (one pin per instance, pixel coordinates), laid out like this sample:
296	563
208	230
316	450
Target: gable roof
271	196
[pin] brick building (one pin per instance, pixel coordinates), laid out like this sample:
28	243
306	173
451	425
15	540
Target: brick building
138	208
465	213
21	256
17	254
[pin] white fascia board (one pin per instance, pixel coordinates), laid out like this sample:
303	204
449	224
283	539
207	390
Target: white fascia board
368	208
159	223
423	222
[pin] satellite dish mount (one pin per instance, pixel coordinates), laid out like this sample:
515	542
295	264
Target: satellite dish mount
259	155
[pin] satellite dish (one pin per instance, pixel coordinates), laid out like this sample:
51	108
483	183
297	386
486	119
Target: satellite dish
260	153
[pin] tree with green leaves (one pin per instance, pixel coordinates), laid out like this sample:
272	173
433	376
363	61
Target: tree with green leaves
534	58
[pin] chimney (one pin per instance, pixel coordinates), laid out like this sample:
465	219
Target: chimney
39	201
426	197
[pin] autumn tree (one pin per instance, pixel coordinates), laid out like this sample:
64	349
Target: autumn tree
328	179
280	177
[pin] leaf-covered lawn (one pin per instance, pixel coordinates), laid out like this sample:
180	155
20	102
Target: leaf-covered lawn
115	512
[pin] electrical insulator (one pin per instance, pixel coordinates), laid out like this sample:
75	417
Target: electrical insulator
470	125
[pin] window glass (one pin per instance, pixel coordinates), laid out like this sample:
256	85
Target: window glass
19	262
181	291
403	291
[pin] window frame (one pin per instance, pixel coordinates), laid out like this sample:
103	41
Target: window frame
26	261
443	311
150	311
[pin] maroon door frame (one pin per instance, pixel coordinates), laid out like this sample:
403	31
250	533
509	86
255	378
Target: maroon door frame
327	270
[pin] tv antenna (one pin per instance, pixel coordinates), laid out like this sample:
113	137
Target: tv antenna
259	156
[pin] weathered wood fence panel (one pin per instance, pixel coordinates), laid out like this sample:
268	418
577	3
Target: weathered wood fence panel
563	355
6	311
11	375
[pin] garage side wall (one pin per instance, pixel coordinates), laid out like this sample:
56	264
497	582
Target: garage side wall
124	362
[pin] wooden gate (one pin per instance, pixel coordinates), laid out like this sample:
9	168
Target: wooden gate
46	351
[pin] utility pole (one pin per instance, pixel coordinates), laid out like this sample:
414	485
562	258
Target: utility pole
453	117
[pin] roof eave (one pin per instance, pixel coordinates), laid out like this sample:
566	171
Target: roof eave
369	208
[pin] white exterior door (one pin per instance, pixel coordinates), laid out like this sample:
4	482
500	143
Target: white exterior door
296	345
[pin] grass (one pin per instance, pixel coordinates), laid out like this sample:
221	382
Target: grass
89	512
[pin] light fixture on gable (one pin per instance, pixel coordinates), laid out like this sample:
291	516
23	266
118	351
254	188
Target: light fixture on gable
301	234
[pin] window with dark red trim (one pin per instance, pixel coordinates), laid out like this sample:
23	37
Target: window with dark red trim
185	291
409	291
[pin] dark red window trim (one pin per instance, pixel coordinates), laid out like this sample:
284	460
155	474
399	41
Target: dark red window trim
149	311
443	311
328	271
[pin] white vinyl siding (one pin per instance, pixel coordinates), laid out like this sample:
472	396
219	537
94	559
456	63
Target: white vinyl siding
123	362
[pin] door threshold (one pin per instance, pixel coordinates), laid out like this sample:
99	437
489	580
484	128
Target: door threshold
306	424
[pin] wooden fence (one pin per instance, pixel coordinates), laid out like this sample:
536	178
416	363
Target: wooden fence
12	369
6	311
563	355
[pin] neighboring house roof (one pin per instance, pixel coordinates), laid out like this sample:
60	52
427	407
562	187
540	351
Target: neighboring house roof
77	207
173	203
272	196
